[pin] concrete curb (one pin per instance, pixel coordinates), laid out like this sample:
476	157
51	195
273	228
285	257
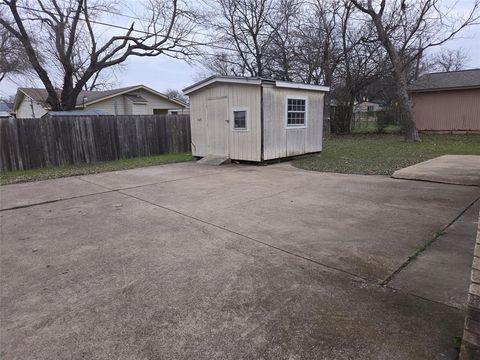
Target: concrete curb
471	333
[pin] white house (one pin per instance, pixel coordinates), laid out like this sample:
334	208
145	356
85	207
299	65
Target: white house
132	100
367	106
255	119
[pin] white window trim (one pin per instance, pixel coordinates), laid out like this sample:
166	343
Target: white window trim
294	97
246	119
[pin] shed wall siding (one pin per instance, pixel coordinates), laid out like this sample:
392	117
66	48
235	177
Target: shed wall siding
242	145
280	141
447	110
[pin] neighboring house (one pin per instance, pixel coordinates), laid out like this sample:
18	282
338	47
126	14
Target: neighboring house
132	100
255	119
367	107
447	101
5	109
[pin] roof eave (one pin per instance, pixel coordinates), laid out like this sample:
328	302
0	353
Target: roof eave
292	85
252	81
133	88
223	79
444	89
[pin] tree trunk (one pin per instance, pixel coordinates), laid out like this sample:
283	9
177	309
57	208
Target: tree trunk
407	120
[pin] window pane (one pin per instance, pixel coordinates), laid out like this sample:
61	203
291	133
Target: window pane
240	119
296	105
296	111
296	118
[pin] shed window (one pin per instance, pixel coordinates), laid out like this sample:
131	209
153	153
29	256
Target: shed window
240	120
296	109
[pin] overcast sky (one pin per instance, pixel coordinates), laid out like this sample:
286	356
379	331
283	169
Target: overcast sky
163	73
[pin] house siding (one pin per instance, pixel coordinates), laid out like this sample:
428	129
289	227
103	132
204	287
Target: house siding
117	105
241	145
454	110
280	141
125	105
114	106
24	110
156	102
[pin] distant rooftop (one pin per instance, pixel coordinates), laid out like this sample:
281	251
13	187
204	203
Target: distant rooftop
5	106
464	79
86	112
40	95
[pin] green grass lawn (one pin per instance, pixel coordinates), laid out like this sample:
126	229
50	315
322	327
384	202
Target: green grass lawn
383	154
371	128
12	177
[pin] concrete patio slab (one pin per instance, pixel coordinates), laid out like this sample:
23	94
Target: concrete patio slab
325	217
245	262
438	273
110	276
449	169
18	195
149	175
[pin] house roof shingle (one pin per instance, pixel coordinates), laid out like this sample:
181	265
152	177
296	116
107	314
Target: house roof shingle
447	80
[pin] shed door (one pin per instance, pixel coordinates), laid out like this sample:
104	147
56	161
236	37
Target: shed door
218	126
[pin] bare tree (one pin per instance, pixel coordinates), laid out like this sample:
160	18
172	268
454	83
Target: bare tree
320	49
363	63
449	60
406	29
13	60
247	27
222	63
281	54
176	94
63	30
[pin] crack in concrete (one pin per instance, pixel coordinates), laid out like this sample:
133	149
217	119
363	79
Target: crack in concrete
54	201
383	283
356	277
422	297
433	181
97	193
248	237
437	235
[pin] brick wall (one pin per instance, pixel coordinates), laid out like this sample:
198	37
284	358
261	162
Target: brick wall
471	333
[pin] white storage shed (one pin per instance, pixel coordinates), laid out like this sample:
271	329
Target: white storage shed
255	119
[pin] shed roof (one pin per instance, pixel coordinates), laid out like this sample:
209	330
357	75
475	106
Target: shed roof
464	79
253	81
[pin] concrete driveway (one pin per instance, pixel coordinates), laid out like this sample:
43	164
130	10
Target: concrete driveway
185	261
448	169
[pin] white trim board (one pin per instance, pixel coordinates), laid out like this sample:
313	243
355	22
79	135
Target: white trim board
253	81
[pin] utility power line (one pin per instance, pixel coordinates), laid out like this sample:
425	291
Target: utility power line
133	30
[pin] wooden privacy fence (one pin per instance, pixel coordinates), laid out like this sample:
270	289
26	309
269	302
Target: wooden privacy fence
31	143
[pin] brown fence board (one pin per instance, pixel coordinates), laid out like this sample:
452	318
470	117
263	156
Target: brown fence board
32	143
